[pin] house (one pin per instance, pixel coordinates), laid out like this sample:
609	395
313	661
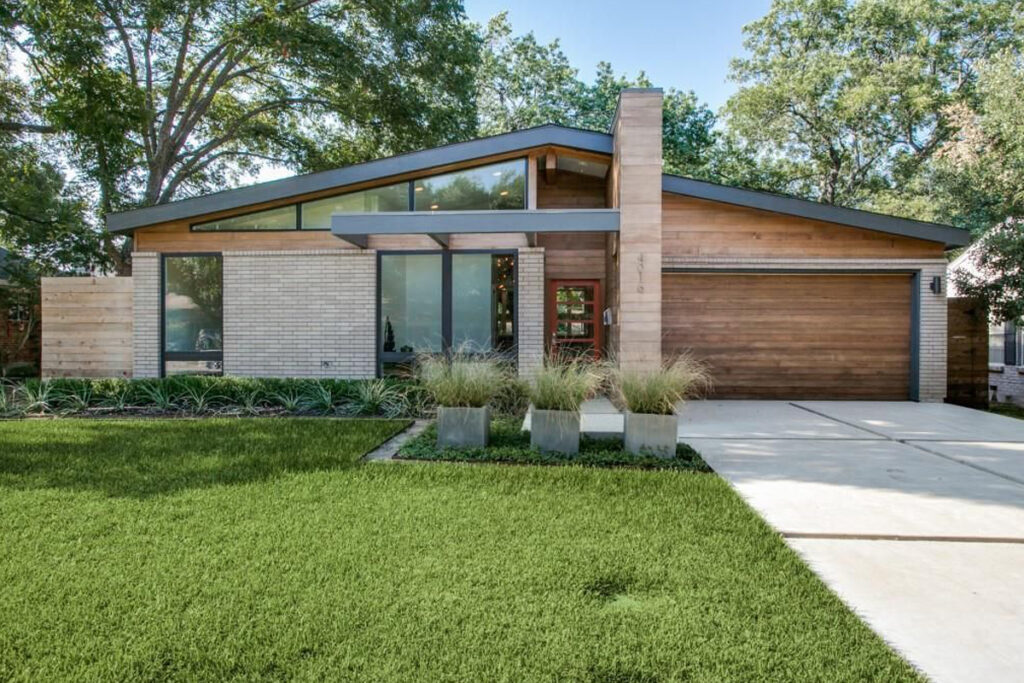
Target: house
19	335
1005	343
543	239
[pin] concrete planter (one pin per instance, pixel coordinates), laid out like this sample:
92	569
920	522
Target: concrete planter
463	427
652	434
555	430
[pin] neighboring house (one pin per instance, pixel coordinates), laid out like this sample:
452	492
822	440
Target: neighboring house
1005	344
544	239
18	354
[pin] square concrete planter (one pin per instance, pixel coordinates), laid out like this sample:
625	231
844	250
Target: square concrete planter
651	434
463	427
555	430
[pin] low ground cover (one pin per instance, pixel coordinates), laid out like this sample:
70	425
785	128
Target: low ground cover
1007	409
262	550
510	444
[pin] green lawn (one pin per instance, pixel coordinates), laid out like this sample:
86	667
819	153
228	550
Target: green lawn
258	550
1007	409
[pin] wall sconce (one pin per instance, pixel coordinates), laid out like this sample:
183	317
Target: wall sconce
936	285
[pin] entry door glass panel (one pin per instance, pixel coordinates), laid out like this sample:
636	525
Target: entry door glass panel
575	326
410	303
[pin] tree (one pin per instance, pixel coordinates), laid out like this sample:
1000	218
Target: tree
158	99
855	95
521	83
980	178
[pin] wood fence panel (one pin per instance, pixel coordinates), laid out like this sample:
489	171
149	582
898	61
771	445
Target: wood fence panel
967	365
87	327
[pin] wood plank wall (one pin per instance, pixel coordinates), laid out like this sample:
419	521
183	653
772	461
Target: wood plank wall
701	228
87	327
967	348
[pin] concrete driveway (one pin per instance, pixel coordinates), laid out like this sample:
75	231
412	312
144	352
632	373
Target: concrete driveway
913	513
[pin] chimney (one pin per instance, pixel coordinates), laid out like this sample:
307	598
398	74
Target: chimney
635	188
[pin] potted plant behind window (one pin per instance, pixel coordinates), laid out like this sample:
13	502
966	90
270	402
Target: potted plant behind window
557	391
462	384
650	399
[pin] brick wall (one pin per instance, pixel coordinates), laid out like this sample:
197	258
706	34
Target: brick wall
530	316
300	313
1007	384
146	314
932	342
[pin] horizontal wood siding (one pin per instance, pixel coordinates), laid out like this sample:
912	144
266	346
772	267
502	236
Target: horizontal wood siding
697	227
794	336
178	238
87	327
572	191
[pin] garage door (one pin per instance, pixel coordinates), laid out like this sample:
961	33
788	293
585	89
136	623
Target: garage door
791	336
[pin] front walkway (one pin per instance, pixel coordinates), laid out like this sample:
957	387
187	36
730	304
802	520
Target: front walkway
913	513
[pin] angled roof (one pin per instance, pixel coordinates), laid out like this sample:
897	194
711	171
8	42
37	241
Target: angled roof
561	136
792	206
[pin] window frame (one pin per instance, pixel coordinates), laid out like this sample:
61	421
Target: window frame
399	357
187	355
410	205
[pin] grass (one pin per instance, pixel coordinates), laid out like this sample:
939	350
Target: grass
564	383
658	391
256	550
509	444
461	380
1007	409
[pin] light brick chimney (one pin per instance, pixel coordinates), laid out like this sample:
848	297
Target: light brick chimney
635	189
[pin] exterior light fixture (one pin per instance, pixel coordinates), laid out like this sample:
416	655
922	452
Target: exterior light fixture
936	285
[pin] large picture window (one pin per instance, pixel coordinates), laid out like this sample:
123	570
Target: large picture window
193	314
436	301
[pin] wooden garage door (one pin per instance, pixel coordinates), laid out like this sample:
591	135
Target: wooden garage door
794	336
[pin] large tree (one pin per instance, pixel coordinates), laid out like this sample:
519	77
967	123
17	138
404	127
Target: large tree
523	83
852	97
159	99
980	179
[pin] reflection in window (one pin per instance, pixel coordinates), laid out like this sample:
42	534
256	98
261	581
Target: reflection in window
317	215
410	303
483	302
193	313
282	218
497	186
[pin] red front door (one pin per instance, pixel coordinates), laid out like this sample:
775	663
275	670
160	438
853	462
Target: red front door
574	317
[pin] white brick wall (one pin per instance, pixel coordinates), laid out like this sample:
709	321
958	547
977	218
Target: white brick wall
300	313
146	312
932	341
530	316
1008	383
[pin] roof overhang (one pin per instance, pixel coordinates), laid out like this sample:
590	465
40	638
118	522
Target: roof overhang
439	225
792	206
380	169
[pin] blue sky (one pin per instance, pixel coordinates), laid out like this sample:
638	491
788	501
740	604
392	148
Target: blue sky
685	44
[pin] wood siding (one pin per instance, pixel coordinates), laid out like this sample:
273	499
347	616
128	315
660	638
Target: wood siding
967	368
572	191
794	336
701	228
87	327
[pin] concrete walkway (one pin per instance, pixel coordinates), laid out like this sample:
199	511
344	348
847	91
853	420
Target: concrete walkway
912	513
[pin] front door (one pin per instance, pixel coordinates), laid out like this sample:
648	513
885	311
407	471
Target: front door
574	317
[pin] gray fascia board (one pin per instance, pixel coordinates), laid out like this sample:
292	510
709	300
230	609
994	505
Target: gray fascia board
455	222
380	169
792	206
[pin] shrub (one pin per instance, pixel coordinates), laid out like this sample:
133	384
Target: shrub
461	380
657	392
155	393
378	397
513	398
36	396
564	384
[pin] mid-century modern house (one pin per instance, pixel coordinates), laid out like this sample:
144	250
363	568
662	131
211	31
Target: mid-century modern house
545	239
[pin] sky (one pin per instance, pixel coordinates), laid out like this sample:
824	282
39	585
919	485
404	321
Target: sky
686	44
